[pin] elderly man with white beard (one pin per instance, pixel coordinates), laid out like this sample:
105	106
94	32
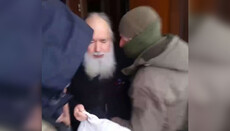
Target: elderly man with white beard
94	86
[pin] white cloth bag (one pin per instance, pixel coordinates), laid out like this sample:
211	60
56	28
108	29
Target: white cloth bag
93	123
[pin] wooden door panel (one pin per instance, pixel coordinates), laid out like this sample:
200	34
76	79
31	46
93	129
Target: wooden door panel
174	14
79	7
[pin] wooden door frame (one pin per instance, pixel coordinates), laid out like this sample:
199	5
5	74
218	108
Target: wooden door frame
179	18
79	7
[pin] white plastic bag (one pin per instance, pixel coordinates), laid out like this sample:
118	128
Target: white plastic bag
93	123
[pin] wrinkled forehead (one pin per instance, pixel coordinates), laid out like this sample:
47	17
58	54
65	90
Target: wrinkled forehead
100	27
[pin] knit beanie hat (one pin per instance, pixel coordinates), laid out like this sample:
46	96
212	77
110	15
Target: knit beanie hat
137	20
143	25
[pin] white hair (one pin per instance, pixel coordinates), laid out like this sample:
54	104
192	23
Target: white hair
105	18
103	67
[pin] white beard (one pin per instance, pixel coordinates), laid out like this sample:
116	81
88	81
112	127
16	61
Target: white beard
103	67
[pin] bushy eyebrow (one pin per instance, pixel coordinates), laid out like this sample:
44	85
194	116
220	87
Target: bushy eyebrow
102	39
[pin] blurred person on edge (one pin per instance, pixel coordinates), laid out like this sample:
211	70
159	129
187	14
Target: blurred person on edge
65	41
209	65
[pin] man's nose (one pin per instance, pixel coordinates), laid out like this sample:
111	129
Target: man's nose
97	47
122	43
